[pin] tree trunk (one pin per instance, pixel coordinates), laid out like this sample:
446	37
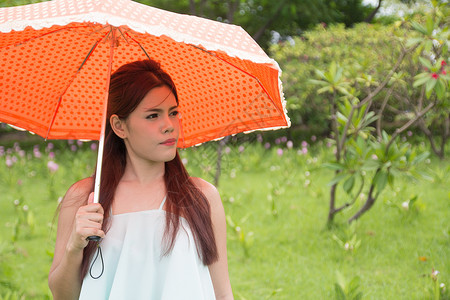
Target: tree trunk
192	9
266	25
373	13
220	146
430	138
369	203
332	210
233	6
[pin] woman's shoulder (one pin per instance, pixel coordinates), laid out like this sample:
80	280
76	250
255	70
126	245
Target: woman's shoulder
79	192
208	189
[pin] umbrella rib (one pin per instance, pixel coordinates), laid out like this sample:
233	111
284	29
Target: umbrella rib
245	72
142	48
43	35
68	85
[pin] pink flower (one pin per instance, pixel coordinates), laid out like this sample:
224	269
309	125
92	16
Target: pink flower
374	156
304	144
304	150
289	144
94	146
435	75
73	148
267	145
259	138
241	148
409	133
51	155
52	166
313	138
280	151
9	162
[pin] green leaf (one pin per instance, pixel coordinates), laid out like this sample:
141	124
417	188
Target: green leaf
421	157
348	184
340	295
422	80
440	89
337	179
430	25
380	180
391	178
429	87
334	166
425	62
419	27
324	89
413	41
318	82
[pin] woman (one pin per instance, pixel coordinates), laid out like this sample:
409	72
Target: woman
164	233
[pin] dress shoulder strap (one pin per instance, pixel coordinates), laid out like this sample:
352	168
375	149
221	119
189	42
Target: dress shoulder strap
162	203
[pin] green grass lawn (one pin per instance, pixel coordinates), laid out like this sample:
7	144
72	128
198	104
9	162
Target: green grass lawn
278	242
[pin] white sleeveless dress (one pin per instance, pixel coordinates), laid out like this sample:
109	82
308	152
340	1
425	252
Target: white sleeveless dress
134	267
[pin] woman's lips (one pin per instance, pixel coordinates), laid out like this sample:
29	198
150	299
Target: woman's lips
169	142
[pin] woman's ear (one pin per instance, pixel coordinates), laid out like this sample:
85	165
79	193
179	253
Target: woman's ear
118	126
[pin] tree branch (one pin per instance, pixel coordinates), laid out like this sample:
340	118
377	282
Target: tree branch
408	124
263	28
373	13
383	106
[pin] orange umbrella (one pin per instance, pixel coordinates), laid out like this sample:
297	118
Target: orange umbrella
56	58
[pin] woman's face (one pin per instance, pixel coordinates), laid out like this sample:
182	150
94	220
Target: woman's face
151	131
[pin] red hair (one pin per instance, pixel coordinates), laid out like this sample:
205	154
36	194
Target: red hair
128	86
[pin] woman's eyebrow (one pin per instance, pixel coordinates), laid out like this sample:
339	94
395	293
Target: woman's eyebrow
156	109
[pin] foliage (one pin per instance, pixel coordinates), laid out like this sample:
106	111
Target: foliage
347	290
286	255
263	17
364	51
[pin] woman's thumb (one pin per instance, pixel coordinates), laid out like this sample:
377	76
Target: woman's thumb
91	198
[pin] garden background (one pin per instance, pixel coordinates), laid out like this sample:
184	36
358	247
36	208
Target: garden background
351	202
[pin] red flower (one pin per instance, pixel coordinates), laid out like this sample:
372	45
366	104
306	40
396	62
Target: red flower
435	75
443	63
444	72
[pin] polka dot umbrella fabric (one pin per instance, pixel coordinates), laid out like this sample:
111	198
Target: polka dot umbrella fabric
55	57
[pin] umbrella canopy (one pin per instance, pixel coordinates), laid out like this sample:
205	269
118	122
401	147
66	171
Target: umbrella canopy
56	58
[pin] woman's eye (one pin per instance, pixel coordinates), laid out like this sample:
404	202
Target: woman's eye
152	116
174	113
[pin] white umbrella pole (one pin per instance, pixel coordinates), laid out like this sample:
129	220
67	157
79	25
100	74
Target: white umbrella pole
101	144
98	171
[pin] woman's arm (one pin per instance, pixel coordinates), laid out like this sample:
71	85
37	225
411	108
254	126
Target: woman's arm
219	269
76	222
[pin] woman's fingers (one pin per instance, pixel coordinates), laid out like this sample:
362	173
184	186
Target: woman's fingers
88	222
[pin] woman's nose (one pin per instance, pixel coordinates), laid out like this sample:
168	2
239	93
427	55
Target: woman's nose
168	126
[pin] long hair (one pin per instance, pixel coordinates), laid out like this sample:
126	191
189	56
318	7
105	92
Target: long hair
128	86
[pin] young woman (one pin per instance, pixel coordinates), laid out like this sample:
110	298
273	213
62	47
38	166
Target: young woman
163	232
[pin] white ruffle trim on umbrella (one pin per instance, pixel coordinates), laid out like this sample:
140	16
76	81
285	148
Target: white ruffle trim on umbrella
156	30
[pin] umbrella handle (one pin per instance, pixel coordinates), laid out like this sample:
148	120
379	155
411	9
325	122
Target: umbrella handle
94	238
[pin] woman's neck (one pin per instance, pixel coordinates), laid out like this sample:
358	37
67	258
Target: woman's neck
143	172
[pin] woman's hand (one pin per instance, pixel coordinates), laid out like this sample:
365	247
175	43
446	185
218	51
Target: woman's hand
88	222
